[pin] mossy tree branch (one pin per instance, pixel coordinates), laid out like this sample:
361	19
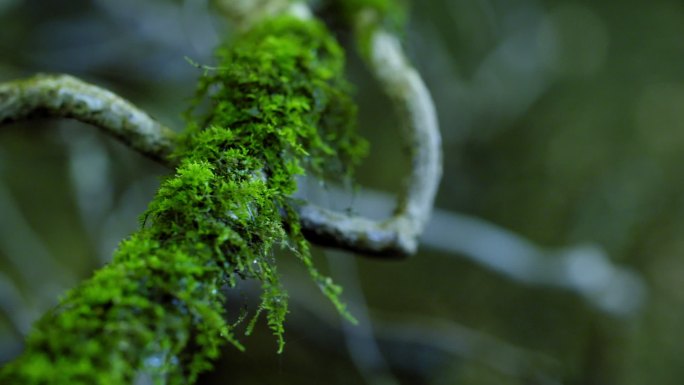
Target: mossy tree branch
279	107
66	96
372	21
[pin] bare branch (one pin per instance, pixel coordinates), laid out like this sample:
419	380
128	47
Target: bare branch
67	97
586	270
405	86
355	233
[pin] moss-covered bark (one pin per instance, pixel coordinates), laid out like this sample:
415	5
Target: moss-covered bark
277	105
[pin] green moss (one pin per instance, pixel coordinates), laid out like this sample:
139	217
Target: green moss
277	106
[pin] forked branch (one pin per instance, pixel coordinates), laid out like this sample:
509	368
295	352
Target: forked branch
67	97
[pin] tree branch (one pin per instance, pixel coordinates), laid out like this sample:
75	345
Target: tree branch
398	235
405	86
67	97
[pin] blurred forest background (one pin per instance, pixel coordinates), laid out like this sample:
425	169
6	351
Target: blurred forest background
556	254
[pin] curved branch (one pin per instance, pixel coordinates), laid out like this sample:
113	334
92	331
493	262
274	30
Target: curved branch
68	97
355	233
412	98
398	235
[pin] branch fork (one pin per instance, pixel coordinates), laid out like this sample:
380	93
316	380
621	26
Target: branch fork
64	96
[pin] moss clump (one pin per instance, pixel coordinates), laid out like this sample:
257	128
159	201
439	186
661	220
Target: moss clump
277	105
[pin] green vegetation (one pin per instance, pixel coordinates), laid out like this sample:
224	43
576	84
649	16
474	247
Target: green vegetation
277	106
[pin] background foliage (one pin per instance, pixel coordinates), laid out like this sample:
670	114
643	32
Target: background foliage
561	123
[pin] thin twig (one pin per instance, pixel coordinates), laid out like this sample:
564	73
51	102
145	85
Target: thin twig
68	97
398	235
405	86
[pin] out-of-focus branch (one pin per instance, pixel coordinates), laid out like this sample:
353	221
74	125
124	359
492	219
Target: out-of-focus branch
405	86
583	269
68	97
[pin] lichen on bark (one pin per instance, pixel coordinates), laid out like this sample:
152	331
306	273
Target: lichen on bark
277	105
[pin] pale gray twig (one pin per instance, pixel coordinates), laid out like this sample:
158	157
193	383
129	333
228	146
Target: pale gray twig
68	97
405	86
398	235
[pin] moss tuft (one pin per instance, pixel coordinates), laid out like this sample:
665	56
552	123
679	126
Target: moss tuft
277	106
